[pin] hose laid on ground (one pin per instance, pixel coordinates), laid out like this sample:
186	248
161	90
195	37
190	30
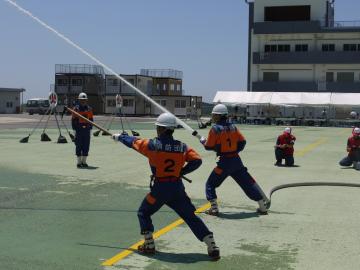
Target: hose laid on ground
307	184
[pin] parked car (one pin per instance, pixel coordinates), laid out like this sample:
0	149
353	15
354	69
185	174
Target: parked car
37	105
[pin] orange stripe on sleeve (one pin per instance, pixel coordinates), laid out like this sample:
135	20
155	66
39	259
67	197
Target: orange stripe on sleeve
191	154
141	145
211	140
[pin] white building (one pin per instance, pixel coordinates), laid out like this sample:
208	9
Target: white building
295	45
11	99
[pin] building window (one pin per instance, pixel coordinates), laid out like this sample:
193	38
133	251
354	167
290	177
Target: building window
172	87
114	82
131	81
284	48
158	86
271	76
329	76
76	82
111	103
270	48
350	47
328	47
180	103
301	48
164	87
61	82
177	103
359	47
178	87
128	103
287	13
162	102
346	77
9	104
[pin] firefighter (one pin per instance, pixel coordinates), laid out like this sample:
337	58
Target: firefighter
82	130
227	141
284	148
353	149
167	158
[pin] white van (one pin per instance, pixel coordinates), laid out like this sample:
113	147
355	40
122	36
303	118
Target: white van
37	105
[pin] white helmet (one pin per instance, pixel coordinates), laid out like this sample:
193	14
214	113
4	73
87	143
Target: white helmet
287	130
166	120
356	131
83	96
220	109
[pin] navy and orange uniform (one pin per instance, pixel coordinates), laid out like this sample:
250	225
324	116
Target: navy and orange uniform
167	158
227	141
353	149
284	149
82	129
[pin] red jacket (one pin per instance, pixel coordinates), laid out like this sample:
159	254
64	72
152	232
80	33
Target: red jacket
353	143
288	140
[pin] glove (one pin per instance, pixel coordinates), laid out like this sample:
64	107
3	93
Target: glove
116	137
125	133
202	140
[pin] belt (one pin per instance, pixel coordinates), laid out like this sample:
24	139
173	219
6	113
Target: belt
229	155
166	179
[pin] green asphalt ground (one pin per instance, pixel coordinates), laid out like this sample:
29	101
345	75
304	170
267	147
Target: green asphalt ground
55	216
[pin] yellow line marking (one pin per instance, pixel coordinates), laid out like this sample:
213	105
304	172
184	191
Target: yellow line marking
310	147
118	257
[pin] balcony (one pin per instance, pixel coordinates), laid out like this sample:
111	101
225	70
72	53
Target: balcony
296	86
343	87
305	27
312	57
287	27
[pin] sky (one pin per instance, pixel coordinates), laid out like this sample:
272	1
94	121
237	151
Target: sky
206	39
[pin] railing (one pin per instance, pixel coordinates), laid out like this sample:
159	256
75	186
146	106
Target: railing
281	27
83	69
307	86
165	73
342	24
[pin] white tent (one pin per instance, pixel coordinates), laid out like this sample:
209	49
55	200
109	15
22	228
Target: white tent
345	99
242	98
287	98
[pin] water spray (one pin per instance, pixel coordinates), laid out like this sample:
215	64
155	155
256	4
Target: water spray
60	35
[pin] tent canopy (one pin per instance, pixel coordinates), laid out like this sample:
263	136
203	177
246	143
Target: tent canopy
287	98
